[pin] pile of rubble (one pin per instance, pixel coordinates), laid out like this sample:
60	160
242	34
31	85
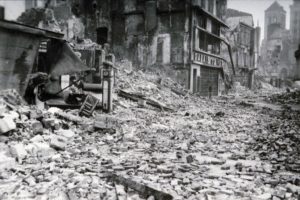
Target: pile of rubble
157	144
150	87
286	98
48	154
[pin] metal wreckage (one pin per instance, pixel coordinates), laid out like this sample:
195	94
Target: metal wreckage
47	70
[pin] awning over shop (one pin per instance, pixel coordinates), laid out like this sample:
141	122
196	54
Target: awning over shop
62	59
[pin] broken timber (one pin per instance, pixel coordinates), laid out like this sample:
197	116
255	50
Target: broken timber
139	187
137	97
69	117
88	106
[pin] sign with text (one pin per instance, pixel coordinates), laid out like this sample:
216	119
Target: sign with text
208	59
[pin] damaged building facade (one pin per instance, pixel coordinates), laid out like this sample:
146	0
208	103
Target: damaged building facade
244	39
297	56
295	33
277	56
183	35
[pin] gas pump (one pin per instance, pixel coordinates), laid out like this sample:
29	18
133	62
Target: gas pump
89	87
107	84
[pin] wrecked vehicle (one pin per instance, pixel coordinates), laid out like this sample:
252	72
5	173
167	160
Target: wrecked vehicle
44	69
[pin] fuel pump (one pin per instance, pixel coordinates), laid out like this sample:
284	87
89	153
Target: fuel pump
107	84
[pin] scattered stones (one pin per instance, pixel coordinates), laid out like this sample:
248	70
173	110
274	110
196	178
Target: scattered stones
6	162
69	134
48	123
37	127
7	124
205	149
189	159
58	142
18	151
293	188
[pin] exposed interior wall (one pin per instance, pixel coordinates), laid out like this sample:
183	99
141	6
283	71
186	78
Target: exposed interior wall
152	33
244	39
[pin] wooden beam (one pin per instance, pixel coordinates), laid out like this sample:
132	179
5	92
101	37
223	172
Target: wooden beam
142	189
137	97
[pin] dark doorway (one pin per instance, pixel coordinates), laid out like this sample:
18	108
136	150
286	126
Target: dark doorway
195	81
2	12
159	53
102	35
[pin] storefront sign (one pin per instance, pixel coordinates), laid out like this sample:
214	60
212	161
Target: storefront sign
208	59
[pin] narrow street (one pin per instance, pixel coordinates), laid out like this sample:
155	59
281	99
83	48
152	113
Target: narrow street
219	148
149	100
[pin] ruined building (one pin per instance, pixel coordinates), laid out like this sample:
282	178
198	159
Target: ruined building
277	56
297	56
14	8
181	34
244	39
295	32
41	3
295	21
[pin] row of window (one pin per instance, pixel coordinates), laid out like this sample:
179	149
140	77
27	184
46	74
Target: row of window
204	22
208	5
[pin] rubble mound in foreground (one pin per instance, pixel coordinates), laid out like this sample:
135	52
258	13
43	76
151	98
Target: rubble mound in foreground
286	98
200	149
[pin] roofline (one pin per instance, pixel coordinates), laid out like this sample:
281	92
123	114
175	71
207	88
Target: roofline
243	23
242	13
212	16
11	25
275	11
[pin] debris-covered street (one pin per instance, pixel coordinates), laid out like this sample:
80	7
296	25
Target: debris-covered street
219	148
149	100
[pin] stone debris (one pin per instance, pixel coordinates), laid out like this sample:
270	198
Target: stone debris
202	149
286	98
6	124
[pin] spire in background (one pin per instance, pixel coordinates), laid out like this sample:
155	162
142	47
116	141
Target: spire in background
275	7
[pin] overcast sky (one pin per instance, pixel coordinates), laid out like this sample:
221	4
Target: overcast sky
257	9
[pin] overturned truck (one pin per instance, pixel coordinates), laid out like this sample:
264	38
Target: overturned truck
42	67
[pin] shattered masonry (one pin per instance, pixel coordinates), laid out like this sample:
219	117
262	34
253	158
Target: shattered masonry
121	99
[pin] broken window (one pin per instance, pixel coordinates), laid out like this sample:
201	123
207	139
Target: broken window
2	12
216	29
102	35
244	36
159	53
202	41
200	20
207	42
163	49
209	25
203	3
211	6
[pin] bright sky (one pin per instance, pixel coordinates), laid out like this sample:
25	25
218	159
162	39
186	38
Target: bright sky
13	8
257	9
